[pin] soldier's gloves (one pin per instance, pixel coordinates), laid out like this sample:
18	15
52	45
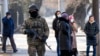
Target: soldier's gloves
29	32
44	38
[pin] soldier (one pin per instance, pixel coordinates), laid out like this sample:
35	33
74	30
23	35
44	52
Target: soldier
35	25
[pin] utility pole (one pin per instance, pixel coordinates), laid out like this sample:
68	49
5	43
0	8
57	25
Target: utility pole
58	4
5	5
5	9
62	5
96	15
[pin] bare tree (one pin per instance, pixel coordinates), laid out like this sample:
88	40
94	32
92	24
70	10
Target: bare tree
78	8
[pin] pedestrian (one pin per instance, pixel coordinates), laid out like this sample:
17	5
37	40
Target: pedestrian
65	35
8	31
73	35
56	29
91	30
36	28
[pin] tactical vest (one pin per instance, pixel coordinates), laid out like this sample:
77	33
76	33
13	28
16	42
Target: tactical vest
36	24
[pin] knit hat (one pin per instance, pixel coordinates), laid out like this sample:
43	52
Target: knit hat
65	15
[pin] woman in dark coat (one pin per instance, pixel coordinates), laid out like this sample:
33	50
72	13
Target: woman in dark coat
91	29
65	36
56	29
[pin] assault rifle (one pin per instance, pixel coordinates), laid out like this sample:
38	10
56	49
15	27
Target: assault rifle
36	35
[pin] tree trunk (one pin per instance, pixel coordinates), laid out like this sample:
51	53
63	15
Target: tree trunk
96	10
96	15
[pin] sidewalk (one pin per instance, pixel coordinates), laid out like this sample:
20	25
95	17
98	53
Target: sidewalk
21	42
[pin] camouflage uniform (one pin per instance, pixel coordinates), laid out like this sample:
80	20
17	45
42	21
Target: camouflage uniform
41	28
37	32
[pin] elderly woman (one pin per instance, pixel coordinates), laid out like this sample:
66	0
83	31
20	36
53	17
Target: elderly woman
65	39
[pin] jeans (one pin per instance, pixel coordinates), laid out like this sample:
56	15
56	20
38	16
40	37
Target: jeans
88	50
58	47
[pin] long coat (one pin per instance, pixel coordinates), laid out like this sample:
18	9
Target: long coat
8	26
74	30
91	30
65	36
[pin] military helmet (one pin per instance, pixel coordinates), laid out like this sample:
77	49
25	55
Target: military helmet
33	7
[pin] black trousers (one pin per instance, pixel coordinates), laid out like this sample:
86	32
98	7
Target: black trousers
74	51
65	53
11	41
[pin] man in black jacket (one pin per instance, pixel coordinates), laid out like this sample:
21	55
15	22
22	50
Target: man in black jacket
91	30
